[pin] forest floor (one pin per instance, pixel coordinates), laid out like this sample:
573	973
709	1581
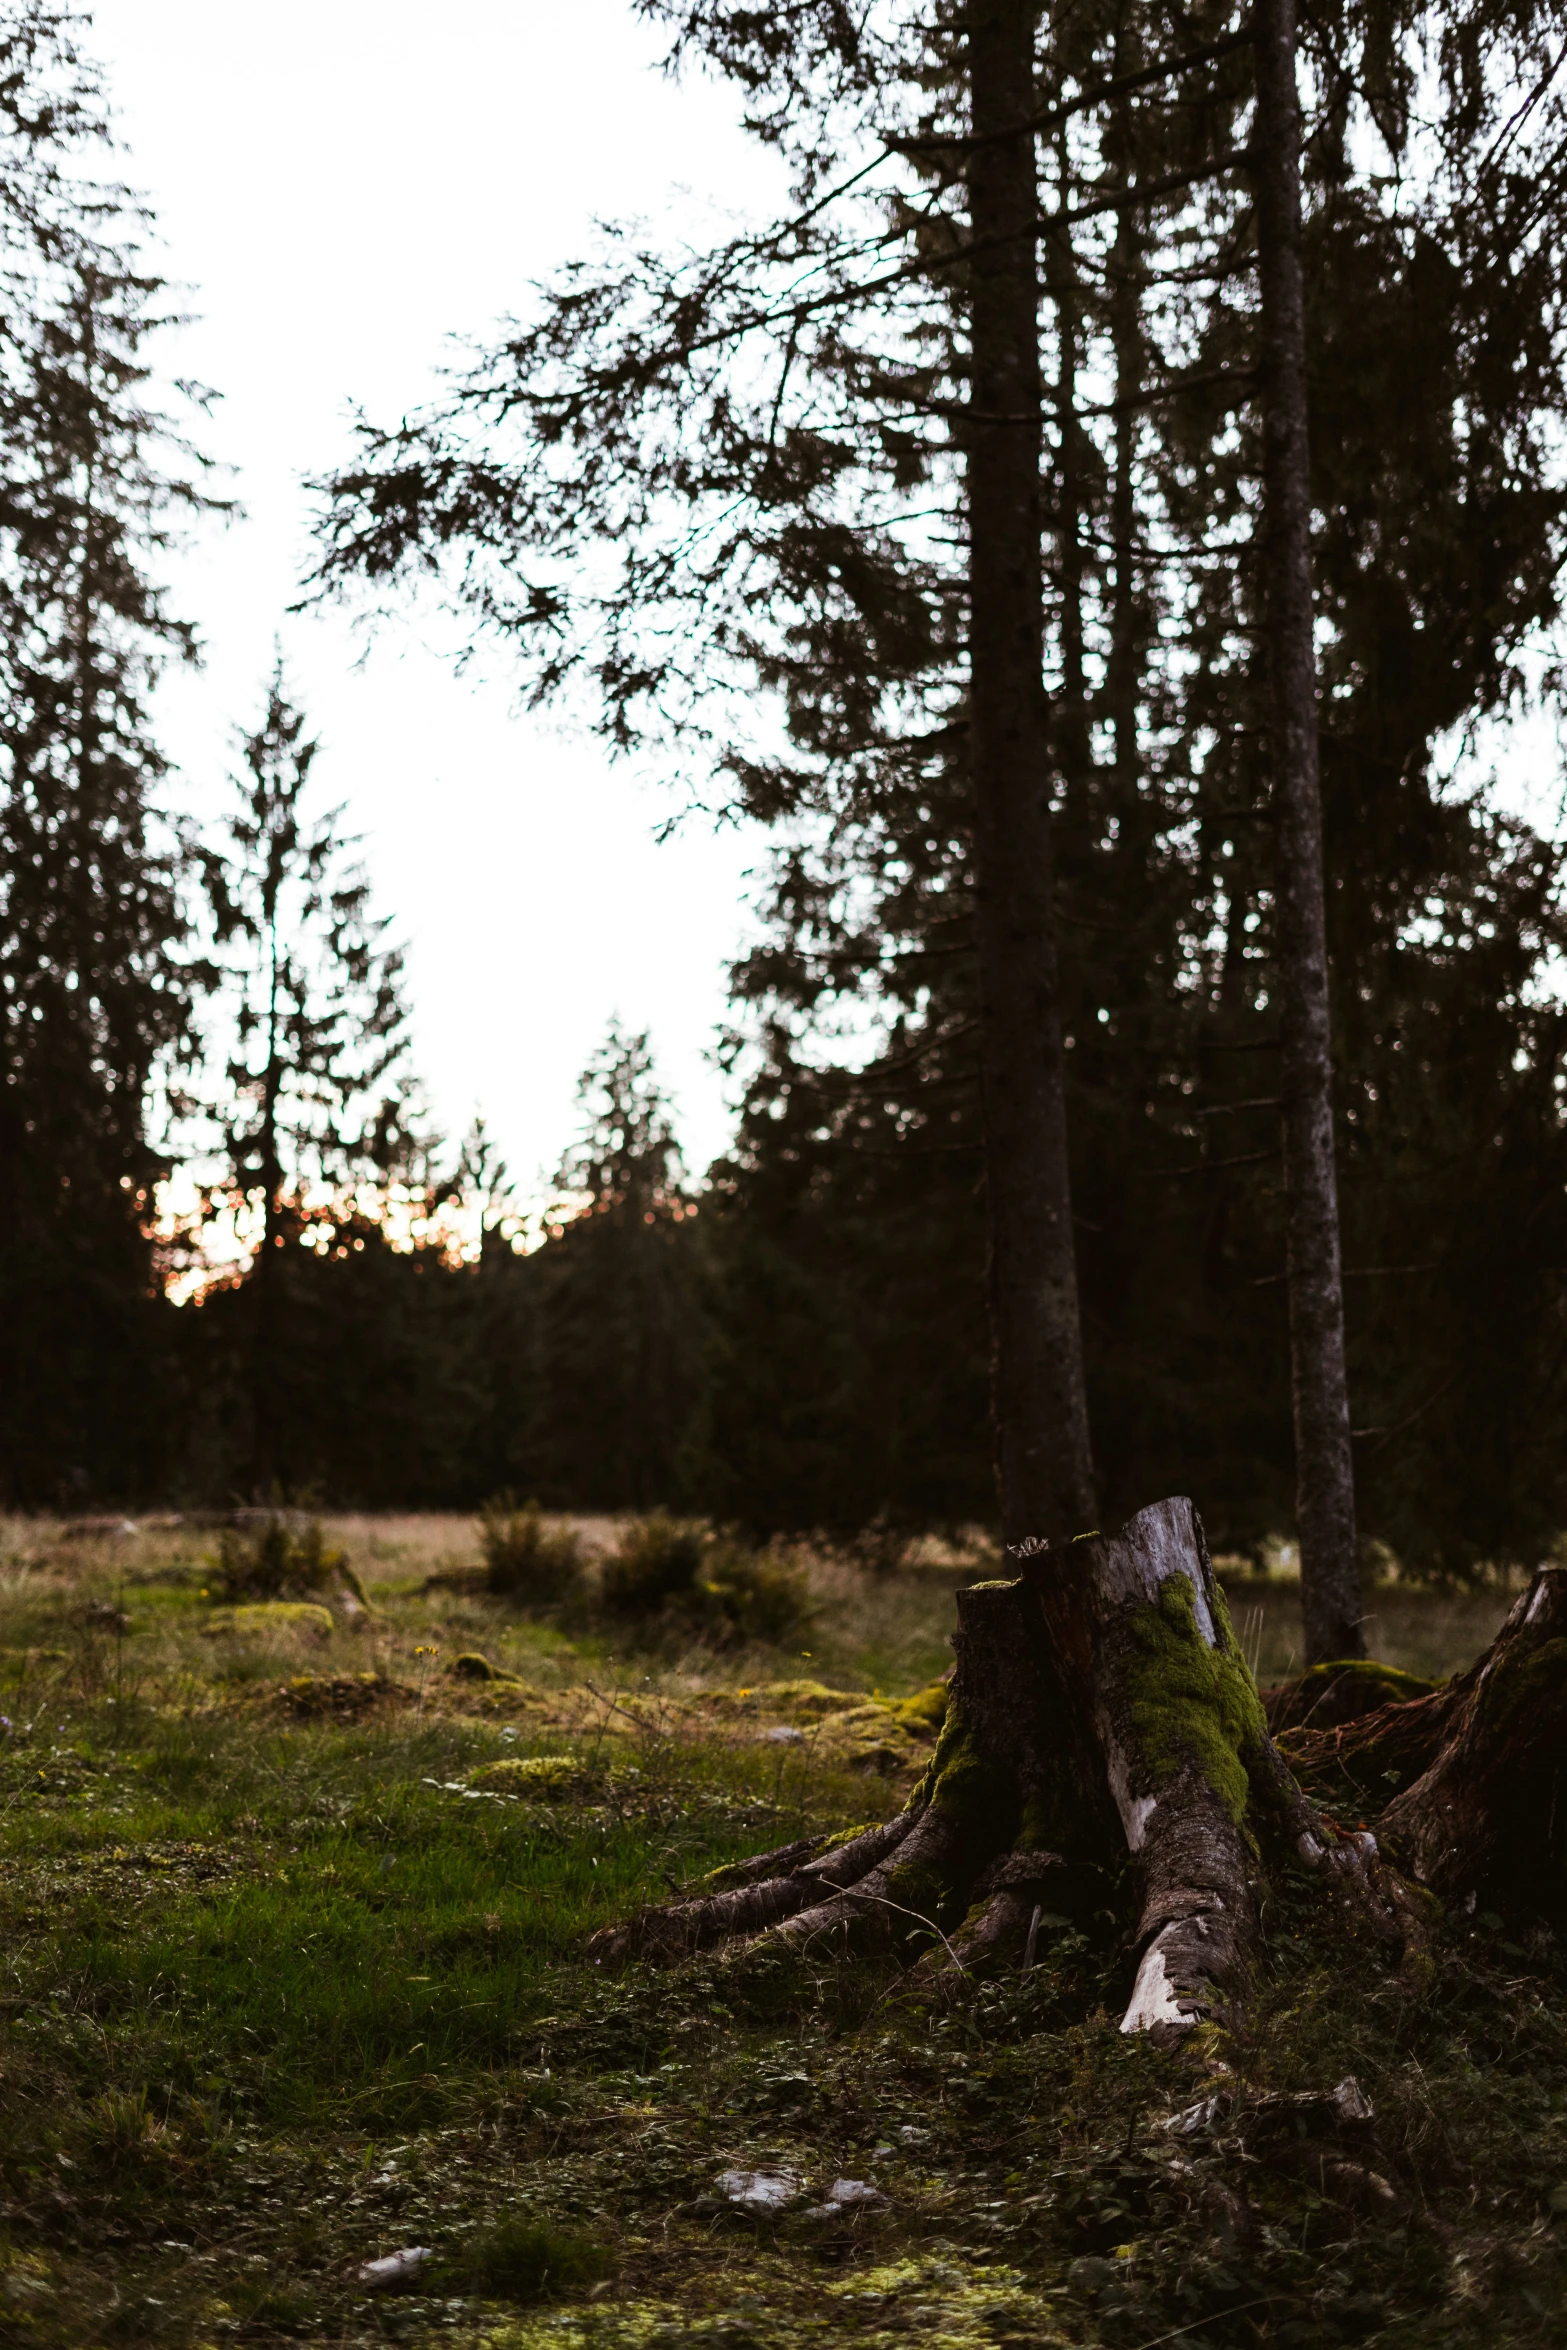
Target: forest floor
294	1978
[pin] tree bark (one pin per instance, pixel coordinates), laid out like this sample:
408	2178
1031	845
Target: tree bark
1325	1490
1468	1780
1043	1462
1073	743
1105	1746
1101	1714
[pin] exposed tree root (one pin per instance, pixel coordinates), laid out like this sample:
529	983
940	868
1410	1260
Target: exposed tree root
1486	1817
1103	1721
1330	1695
775	1887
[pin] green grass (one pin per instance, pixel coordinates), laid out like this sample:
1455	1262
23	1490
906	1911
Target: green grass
278	1996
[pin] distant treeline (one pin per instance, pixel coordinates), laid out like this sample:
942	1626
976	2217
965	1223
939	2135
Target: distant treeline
800	1341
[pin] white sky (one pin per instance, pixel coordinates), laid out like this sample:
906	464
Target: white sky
341	187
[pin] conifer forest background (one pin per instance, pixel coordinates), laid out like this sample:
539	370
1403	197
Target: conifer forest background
208	1030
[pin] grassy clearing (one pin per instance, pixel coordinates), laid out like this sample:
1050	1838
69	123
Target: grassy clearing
284	1991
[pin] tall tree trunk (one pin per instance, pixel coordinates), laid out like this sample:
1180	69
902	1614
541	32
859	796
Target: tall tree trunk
1325	1486
268	1272
1121	670
1043	1463
1074	748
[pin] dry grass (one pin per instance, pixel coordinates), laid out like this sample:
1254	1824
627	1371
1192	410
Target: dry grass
124	1607
1430	1632
65	1585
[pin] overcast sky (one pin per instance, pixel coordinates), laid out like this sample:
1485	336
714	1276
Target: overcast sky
341	187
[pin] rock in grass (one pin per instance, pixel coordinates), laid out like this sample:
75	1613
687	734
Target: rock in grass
396	2269
845	2192
539	1774
262	1616
763	2193
474	1667
847	2195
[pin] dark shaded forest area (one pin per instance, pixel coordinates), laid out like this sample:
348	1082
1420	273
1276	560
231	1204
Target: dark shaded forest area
796	1337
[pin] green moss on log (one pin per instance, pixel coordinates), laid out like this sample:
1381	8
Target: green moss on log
1189	1702
1393	1684
844	1836
1342	1691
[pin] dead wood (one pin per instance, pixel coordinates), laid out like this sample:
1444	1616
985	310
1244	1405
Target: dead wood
1330	1695
1484	1819
1102	1724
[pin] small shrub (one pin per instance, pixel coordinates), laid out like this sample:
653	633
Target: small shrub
752	1597
523	2259
282	1559
524	1558
656	1560
701	1582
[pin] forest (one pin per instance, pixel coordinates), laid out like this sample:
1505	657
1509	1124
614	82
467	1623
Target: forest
1107	532
796	1336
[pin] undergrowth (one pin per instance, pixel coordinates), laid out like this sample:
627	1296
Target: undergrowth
284	1993
525	1557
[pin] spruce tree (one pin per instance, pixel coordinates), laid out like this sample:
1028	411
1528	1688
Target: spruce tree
613	1317
1325	1477
317	1105
1044	1469
96	978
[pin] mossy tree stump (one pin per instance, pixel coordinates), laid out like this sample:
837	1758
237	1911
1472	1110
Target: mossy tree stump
1101	1715
1469	1779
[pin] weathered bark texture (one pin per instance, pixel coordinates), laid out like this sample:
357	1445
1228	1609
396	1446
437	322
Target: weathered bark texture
1200	1789
1044	1469
1325	1484
1485	1818
1101	1718
1464	1781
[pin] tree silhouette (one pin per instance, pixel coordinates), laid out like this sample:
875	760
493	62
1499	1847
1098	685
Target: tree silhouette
317	1099
96	977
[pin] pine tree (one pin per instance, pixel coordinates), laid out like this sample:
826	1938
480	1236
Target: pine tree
613	1315
96	981
317	1101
